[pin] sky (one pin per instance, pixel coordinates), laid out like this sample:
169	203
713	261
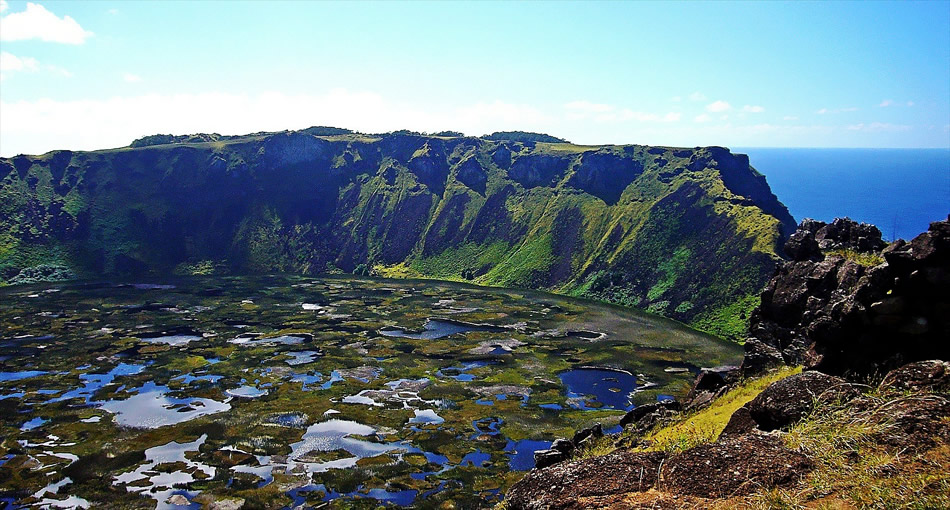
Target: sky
98	74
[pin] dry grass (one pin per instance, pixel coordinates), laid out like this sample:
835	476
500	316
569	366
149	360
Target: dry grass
853	469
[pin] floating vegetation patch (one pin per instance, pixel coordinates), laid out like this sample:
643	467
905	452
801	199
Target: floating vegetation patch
281	391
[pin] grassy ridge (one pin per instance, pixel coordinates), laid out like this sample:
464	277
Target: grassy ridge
681	232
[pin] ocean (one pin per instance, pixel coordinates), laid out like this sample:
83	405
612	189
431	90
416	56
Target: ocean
899	190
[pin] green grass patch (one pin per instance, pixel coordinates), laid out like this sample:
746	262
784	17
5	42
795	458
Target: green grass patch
731	321
527	267
670	270
705	425
865	259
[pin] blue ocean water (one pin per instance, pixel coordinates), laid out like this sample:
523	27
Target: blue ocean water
899	190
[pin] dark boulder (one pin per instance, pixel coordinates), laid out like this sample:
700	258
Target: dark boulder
702	399
786	401
734	466
563	446
595	431
847	234
561	485
708	380
760	357
802	246
545	458
740	422
917	423
923	375
650	412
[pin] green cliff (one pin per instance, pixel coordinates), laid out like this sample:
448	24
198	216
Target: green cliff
692	234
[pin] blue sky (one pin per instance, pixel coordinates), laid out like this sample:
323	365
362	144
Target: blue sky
85	75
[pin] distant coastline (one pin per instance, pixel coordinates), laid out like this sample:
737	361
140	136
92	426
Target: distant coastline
899	190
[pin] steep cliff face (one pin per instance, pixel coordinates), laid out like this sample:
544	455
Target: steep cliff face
689	233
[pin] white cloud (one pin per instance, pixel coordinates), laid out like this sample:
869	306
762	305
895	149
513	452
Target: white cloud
45	124
37	126
877	127
603	113
885	103
790	117
697	96
3	5
131	78
59	71
718	106
753	109
113	11
627	114
11	62
38	23
585	107
676	99
837	110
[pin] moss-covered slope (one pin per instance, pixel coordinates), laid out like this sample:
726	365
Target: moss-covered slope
689	233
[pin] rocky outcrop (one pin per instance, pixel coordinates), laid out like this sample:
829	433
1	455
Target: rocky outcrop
854	310
726	468
931	375
917	423
791	399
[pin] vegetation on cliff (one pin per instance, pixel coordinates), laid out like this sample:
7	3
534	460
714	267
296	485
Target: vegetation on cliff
692	234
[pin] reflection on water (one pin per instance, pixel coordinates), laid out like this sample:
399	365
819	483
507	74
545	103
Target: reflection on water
34	423
437	328
91	383
173	340
522	453
17	376
247	392
160	485
587	387
150	408
436	414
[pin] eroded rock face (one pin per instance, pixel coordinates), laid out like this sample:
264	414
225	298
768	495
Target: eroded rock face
733	466
835	315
